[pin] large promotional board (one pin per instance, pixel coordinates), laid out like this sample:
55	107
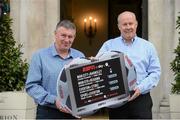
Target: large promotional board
97	84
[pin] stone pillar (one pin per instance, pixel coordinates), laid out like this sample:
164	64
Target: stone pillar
33	26
155	36
161	25
34	23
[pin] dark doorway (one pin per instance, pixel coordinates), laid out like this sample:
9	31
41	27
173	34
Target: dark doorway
139	7
66	9
107	11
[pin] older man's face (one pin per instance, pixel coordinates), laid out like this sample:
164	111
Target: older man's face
64	38
127	25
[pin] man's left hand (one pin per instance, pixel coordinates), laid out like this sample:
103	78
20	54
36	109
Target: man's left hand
135	95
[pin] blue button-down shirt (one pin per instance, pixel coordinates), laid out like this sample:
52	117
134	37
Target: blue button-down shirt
43	73
143	55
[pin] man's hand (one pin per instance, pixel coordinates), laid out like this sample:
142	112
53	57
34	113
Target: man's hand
135	95
61	107
92	59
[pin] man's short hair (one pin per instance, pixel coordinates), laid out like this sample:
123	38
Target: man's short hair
66	24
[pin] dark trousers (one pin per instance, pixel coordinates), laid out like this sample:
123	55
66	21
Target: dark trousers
44	112
140	108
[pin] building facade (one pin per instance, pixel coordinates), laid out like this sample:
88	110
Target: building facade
34	23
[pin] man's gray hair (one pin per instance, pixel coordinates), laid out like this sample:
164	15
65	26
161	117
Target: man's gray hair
66	24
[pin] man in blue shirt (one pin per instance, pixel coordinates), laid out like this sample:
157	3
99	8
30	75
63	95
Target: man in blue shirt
145	59
44	70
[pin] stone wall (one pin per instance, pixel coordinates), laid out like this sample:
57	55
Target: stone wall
162	33
34	23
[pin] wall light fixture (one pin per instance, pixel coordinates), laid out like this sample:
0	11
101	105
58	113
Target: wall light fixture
90	28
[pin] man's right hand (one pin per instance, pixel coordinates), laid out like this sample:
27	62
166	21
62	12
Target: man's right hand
61	107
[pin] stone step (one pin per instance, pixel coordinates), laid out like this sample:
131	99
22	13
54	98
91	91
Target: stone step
164	116
164	104
164	110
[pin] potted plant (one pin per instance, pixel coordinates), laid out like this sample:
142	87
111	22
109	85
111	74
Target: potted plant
13	70
175	67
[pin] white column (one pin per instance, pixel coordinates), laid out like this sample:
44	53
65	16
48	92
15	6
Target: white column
34	22
155	25
161	33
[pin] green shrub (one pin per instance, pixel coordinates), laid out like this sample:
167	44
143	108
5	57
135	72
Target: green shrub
175	64
13	69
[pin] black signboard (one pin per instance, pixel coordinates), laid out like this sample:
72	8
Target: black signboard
97	84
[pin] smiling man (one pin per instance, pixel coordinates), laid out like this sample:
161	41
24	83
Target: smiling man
127	25
145	59
44	70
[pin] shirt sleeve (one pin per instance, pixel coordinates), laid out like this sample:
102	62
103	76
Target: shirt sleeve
153	70
34	83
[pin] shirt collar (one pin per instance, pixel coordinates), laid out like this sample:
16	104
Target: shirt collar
55	53
132	41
